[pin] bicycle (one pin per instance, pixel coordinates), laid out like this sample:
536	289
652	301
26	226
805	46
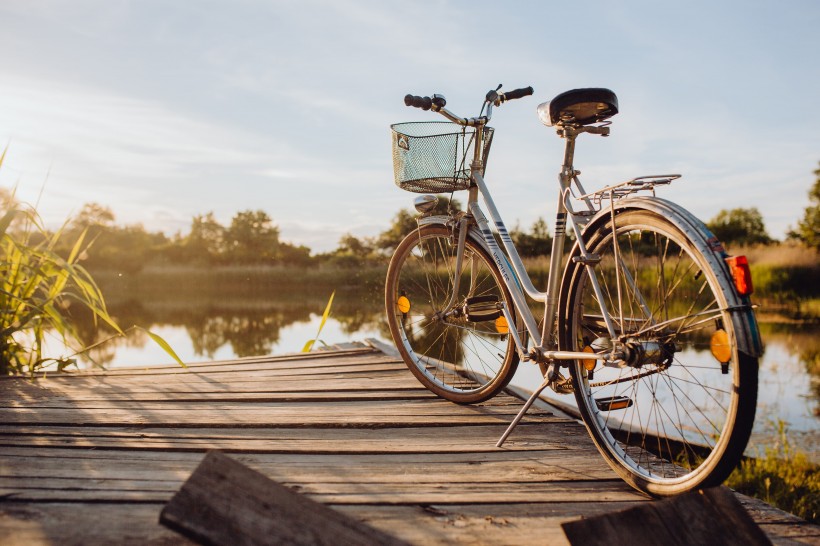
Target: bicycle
647	313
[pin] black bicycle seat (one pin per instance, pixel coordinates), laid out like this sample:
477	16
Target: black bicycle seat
583	106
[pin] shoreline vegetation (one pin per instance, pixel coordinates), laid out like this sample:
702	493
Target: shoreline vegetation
782	476
784	278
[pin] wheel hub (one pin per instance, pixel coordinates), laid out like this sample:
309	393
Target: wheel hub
640	353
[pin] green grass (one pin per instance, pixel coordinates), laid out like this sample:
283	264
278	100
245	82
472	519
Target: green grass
783	477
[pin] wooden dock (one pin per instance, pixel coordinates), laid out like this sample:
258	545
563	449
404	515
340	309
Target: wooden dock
92	458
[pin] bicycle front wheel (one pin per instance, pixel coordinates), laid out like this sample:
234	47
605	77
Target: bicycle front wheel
676	410
457	344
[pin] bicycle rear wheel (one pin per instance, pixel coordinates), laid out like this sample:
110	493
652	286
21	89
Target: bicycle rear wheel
677	412
463	353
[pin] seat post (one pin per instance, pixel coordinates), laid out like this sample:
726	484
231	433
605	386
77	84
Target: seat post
569	132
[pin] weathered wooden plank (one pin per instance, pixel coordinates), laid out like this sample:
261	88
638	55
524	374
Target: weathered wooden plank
347	400
339	357
243	384
457	439
227	503
96	401
70	524
486	524
329	364
383	493
287	391
372	414
710	516
98	456
527	467
226	382
354	370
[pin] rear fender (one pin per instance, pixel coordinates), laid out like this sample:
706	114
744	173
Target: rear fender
741	311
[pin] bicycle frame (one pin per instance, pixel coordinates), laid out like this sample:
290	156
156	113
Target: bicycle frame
511	267
509	262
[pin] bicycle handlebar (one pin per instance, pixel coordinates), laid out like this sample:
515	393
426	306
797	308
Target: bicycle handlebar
515	94
418	102
437	103
425	103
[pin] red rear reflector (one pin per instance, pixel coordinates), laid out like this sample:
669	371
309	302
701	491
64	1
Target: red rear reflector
739	266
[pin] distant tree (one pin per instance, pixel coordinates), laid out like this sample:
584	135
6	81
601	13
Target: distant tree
125	249
294	255
206	241
535	243
808	227
740	226
352	245
252	238
405	221
93	215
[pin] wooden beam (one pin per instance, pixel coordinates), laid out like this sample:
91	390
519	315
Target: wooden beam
709	516
225	502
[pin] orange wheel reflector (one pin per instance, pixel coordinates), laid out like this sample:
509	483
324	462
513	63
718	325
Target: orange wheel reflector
403	304
501	325
589	364
721	349
620	404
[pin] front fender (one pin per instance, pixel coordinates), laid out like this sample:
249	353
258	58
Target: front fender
450	222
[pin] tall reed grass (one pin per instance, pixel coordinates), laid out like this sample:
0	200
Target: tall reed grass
39	289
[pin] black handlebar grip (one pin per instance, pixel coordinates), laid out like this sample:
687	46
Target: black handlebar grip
518	93
418	102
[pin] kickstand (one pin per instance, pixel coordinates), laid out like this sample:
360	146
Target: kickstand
524	409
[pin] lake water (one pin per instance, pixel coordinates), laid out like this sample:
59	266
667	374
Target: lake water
789	387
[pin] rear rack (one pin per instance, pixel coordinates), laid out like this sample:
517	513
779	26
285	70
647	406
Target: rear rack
622	189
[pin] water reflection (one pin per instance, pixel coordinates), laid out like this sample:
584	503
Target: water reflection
801	344
242	327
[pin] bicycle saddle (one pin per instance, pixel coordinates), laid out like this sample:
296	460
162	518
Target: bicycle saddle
579	106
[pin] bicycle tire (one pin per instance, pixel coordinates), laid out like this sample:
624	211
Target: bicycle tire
462	360
682	419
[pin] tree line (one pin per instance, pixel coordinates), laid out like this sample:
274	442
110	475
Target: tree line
252	238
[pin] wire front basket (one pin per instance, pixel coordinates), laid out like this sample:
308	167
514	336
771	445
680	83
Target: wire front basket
435	156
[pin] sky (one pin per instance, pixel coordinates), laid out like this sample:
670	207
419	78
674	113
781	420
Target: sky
166	110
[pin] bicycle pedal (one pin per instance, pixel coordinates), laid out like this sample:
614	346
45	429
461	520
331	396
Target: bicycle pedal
562	385
482	308
613	403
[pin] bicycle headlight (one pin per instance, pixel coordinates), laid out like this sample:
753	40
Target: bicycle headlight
544	113
425	203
